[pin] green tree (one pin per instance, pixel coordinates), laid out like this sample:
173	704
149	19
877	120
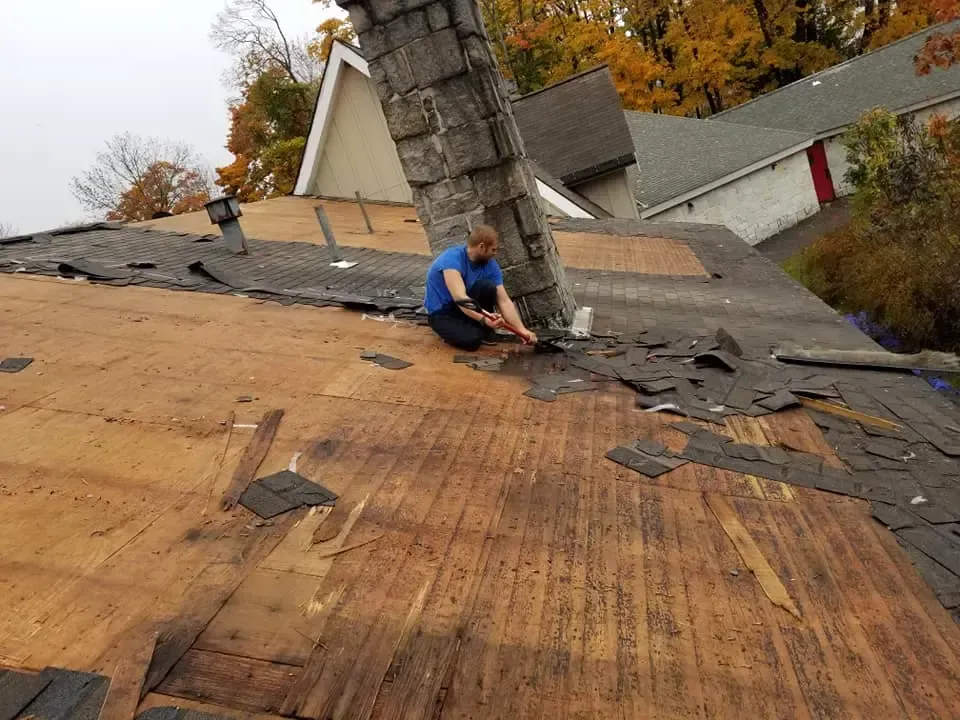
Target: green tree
899	259
276	76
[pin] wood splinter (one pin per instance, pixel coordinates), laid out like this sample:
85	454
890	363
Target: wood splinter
253	455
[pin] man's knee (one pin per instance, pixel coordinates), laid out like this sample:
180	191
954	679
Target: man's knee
484	293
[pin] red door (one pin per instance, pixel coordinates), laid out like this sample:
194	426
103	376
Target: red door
822	182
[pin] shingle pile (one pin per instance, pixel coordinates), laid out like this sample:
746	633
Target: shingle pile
903	461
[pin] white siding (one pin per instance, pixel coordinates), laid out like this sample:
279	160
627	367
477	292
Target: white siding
837	153
758	205
612	192
357	151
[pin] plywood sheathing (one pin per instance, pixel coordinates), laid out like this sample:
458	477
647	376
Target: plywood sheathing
545	579
292	218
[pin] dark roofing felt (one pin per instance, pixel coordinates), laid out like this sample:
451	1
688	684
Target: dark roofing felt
676	155
575	128
839	95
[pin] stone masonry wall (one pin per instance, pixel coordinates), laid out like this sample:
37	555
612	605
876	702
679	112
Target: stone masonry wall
442	95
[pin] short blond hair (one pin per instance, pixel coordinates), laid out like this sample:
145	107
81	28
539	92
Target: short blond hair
482	235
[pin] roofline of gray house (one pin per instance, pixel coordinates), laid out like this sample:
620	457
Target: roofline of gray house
648	212
930	30
595	171
840	129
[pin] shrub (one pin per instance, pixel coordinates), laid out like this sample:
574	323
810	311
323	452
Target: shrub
899	258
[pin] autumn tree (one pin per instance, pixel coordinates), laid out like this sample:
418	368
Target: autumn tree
276	76
942	49
898	261
691	57
136	177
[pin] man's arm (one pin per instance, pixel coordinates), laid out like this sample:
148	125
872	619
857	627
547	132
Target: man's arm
510	314
458	291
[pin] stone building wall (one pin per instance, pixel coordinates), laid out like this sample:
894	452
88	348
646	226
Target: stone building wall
458	143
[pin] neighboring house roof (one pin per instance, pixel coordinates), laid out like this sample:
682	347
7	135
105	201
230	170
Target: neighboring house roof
343	55
575	128
563	198
838	96
679	158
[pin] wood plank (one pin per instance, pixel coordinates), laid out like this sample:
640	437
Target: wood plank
158	700
480	674
265	619
126	683
358	651
838	670
229	680
845	412
882	601
750	553
426	659
208	594
254	454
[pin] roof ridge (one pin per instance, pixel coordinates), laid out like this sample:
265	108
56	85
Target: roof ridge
561	82
848	61
726	123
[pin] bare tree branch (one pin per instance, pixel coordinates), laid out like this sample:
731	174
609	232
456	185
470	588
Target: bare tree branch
148	168
251	31
7	230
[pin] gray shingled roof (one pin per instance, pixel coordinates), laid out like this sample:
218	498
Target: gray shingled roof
575	128
839	95
678	154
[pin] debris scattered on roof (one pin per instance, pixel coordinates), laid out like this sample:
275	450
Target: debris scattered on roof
14	364
284	491
385	361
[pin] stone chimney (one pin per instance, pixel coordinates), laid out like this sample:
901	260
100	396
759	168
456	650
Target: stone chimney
458	142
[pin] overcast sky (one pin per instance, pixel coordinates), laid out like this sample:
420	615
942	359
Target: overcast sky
72	74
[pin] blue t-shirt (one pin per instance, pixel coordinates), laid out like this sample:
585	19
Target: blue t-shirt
455	258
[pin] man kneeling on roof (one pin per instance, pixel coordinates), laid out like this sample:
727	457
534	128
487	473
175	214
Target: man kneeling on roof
470	272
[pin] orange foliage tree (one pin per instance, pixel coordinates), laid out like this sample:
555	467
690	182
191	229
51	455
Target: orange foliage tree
136	177
693	57
942	48
277	78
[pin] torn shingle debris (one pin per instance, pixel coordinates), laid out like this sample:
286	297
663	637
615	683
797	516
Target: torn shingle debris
894	450
14	364
284	491
646	457
385	361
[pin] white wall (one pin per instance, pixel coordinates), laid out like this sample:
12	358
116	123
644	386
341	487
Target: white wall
613	192
358	153
837	153
757	205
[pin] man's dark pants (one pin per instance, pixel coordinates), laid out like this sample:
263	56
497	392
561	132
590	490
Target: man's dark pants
455	328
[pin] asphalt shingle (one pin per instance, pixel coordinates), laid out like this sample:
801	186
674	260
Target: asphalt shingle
575	128
676	155
839	95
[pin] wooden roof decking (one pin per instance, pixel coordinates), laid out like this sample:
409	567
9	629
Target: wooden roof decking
513	570
292	218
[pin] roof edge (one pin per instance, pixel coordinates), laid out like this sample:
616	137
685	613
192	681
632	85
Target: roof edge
589	173
558	83
931	29
653	210
340	53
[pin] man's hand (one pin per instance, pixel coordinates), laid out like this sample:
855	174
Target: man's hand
493	321
531	338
